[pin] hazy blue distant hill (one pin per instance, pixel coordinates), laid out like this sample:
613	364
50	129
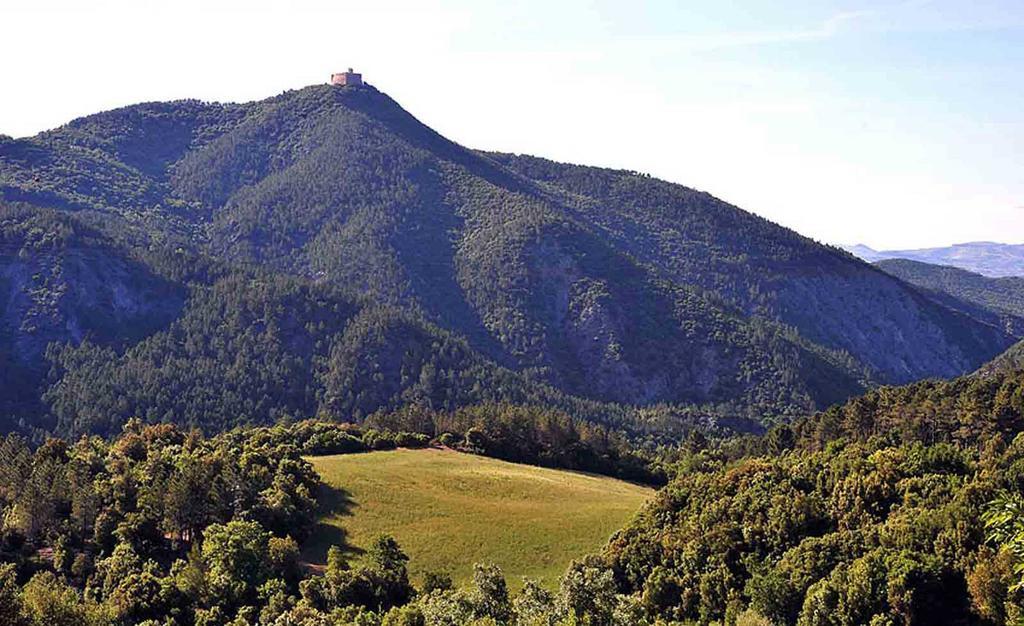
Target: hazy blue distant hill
468	276
983	257
863	252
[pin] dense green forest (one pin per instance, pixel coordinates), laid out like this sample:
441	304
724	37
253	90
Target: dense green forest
161	525
869	513
148	254
900	507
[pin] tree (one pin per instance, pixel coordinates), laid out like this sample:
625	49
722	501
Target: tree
236	555
11	607
435	581
283	554
337	562
1004	519
187	499
534	605
989	587
388	562
587	592
490	595
117	567
138	598
50	602
409	615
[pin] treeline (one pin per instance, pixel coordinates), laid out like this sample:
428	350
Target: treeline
967	411
533	435
522	434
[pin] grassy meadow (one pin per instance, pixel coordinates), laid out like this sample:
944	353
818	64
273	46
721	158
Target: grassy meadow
449	510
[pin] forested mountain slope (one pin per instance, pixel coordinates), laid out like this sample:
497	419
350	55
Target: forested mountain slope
258	349
1009	361
62	281
996	300
870	513
604	285
692	238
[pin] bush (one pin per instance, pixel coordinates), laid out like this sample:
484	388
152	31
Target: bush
411	440
378	440
448	440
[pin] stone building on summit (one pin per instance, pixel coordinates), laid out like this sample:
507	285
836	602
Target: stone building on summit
346	78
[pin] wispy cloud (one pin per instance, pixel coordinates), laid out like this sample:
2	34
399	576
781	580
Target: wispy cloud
833	25
827	29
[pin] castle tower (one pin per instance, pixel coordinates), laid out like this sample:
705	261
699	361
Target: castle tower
346	78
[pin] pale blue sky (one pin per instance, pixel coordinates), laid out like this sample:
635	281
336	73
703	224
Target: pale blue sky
893	123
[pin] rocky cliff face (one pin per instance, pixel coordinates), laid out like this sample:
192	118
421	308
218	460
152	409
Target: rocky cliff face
63	283
73	294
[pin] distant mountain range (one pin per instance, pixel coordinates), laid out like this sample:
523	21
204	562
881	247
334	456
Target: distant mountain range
983	257
323	252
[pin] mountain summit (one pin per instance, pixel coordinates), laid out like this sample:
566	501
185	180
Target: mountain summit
606	286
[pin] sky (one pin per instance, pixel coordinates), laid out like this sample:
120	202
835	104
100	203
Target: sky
894	123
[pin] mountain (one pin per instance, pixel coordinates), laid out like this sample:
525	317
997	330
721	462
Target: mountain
61	281
983	257
1010	361
863	252
327	252
997	301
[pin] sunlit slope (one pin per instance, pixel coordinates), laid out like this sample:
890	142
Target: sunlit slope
449	510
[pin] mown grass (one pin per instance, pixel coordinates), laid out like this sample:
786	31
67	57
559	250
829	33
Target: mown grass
449	510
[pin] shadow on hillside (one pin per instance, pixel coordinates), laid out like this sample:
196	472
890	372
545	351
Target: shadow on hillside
334	502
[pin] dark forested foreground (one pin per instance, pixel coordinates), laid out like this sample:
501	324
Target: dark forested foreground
900	507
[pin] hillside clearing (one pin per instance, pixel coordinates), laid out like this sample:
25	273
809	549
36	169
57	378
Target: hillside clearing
449	510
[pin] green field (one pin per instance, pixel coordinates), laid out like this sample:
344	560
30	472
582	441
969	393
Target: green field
449	510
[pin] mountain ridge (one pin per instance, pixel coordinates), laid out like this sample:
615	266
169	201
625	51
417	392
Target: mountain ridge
606	285
998	301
